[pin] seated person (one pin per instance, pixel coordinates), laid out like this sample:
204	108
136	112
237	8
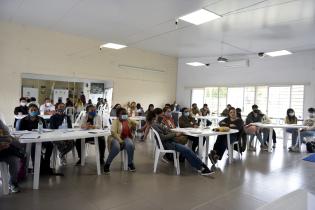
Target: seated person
91	121
169	142
205	112
47	108
132	109
239	112
61	121
187	121
140	111
291	119
114	109
225	112
33	101
252	130
195	110
265	119
31	122
146	128
150	109
168	121
306	132
221	143
21	110
10	152
120	139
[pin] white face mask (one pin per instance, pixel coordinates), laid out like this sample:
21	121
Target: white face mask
291	114
23	104
48	104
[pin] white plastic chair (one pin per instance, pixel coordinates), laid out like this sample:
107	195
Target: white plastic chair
76	123
159	148
4	171
70	113
238	149
124	160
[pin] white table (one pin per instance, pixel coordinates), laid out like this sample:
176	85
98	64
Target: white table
284	127
215	119
60	135
206	132
45	117
135	118
299	199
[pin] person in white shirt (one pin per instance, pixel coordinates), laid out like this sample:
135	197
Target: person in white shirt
47	108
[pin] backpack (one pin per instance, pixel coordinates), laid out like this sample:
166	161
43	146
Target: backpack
310	146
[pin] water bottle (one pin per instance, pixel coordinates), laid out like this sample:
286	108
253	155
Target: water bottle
40	126
64	124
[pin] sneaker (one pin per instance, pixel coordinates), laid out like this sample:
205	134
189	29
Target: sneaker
14	188
206	172
264	148
131	167
106	169
78	163
213	157
295	149
274	145
165	160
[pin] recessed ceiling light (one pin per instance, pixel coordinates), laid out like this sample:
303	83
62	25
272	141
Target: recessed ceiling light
113	46
199	17
195	64
278	53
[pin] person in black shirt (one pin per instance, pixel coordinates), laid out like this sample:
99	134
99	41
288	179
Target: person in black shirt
21	110
233	122
29	123
61	121
69	103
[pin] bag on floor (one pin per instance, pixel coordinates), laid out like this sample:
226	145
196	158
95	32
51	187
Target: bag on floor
310	146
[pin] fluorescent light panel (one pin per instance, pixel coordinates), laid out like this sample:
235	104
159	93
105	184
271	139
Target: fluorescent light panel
199	17
278	53
113	46
195	64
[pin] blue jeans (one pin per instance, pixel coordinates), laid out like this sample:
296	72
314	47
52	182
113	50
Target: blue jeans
187	153
306	134
294	132
116	148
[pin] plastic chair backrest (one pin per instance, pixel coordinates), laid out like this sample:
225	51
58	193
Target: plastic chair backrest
158	139
70	113
79	118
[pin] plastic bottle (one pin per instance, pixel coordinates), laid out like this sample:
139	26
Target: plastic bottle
40	126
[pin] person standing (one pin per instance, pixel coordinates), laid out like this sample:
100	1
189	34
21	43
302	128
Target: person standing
22	109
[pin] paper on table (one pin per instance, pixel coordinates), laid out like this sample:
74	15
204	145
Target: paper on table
30	136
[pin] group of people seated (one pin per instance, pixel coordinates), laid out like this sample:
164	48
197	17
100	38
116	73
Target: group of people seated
123	129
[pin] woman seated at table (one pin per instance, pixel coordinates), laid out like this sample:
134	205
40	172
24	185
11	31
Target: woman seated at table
91	121
233	122
291	119
140	111
146	128
30	122
168	121
187	121
120	139
168	140
114	109
11	152
61	121
132	109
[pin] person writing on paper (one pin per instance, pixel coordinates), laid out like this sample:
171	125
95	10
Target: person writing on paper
306	132
233	122
11	152
187	121
168	139
20	110
61	121
91	121
47	108
121	139
33	121
291	119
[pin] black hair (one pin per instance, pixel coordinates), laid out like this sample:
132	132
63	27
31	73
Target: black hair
138	105
115	107
150	116
57	105
238	110
120	110
33	106
183	109
166	108
33	99
157	111
255	106
88	107
205	105
311	110
22	99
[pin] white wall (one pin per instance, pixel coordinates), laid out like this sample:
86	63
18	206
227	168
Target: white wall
24	49
297	68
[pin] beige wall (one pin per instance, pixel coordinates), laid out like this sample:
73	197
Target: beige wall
24	49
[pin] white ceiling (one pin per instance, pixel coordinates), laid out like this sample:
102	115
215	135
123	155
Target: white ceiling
247	26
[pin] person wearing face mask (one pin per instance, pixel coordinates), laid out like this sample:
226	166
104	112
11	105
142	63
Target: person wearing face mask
47	108
61	121
29	123
169	142
306	132
233	122
291	119
121	139
187	121
91	121
21	110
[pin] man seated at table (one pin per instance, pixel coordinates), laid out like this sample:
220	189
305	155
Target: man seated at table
225	112
187	121
169	142
252	130
91	121
30	122
47	108
205	112
233	122
306	132
61	121
195	110
22	109
120	139
10	152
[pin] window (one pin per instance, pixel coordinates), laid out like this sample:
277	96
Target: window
297	99
222	99
249	99
278	101
235	96
197	96
211	98
262	98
